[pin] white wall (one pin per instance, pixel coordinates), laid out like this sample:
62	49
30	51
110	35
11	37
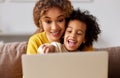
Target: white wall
17	17
108	14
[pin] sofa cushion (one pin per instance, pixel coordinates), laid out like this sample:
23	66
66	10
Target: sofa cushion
114	61
10	59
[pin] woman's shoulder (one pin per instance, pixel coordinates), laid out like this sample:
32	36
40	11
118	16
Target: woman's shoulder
38	35
88	48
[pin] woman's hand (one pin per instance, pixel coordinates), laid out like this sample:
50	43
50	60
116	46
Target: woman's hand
46	48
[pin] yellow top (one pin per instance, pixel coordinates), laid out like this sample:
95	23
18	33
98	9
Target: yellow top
90	48
40	38
35	41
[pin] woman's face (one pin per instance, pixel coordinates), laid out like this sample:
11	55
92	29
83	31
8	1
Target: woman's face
53	22
74	35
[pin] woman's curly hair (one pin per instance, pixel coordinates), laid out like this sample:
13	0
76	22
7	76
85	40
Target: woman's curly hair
92	27
42	6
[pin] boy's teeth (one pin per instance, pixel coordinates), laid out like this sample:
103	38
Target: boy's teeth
71	41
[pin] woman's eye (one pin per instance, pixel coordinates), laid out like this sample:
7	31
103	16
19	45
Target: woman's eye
48	21
60	20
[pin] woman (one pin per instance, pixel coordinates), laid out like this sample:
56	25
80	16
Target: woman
49	17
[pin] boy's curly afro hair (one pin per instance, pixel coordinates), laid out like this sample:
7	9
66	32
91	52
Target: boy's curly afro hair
92	27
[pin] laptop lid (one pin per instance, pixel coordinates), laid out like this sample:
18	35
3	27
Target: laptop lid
66	65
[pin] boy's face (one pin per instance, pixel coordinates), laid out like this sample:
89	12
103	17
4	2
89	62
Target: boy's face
74	35
53	22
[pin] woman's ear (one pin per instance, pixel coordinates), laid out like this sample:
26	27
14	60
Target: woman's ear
40	26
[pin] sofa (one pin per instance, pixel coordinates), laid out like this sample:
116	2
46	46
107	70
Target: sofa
10	60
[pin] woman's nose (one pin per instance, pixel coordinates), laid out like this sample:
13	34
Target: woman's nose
54	26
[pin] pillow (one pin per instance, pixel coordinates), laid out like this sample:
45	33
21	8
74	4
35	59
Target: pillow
10	59
114	61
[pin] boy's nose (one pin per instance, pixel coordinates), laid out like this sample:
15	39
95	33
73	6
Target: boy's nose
73	35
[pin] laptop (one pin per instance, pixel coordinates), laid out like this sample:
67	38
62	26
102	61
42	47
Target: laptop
66	65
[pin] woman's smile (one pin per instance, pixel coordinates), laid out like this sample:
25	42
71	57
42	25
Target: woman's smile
56	33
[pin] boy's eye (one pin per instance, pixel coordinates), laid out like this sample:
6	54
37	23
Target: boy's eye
69	31
79	33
